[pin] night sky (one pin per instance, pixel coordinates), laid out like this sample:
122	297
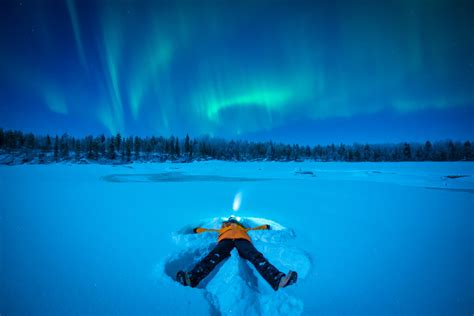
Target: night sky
308	72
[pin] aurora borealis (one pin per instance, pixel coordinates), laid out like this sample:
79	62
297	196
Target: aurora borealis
239	68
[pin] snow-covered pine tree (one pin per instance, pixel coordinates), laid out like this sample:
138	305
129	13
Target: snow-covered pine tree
111	149
56	148
177	150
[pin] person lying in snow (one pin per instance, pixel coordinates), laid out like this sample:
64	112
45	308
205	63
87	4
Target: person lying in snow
234	234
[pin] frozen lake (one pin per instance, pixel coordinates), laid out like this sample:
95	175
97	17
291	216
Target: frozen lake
366	238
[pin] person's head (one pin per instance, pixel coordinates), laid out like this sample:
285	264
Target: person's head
232	220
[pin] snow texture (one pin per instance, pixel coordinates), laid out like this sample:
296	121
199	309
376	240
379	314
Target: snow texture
365	238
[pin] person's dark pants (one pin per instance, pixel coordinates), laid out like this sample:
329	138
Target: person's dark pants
246	250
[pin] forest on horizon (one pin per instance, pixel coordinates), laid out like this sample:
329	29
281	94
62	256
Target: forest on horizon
19	147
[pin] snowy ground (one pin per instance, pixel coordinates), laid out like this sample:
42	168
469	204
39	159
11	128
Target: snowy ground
366	238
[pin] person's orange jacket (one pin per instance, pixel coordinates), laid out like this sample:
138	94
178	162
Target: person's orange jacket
231	231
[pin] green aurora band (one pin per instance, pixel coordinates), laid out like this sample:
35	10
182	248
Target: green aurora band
244	67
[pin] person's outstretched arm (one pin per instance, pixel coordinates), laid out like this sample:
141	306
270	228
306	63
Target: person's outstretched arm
261	227
199	230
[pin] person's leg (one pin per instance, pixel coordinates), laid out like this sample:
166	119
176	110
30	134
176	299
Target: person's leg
209	262
248	251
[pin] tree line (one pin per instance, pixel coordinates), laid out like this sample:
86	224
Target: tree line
28	147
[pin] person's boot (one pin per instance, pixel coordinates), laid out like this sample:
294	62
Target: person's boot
183	278
288	279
